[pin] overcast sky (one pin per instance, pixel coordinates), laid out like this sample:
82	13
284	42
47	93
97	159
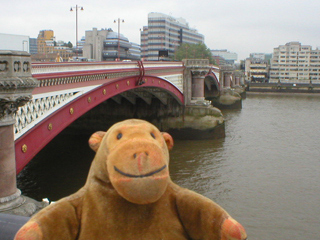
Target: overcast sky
240	26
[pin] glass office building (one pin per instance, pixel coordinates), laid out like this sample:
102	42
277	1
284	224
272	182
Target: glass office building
164	34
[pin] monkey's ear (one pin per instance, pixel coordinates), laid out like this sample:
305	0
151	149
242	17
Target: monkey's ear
95	140
168	139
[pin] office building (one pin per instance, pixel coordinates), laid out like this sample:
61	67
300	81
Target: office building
33	46
50	50
257	67
229	57
164	34
256	70
219	61
107	45
14	42
45	41
295	63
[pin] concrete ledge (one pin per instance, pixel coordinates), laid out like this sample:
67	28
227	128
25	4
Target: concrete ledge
18	204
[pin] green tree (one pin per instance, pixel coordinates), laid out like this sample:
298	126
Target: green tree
69	44
193	51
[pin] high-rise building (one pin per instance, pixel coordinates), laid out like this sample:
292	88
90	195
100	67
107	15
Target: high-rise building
164	34
106	45
295	63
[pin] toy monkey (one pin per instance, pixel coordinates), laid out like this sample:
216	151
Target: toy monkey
129	195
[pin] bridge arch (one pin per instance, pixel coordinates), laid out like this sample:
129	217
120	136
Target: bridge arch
131	88
212	85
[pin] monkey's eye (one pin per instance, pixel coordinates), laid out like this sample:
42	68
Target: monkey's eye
152	135
119	135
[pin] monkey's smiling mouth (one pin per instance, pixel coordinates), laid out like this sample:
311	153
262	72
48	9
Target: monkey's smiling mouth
139	176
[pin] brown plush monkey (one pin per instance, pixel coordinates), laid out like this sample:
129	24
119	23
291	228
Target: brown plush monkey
129	195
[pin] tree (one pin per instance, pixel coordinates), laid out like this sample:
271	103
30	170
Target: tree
69	44
193	51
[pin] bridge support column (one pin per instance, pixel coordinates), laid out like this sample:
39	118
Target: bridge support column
197	85
237	81
196	70
227	79
7	163
16	85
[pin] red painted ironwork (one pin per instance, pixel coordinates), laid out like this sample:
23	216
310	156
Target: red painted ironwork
28	145
142	72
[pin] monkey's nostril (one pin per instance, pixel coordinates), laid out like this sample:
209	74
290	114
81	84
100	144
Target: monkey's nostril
146	153
135	155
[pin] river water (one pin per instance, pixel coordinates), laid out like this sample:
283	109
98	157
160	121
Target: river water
265	172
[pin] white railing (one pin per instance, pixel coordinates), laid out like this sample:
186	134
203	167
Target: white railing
42	105
47	68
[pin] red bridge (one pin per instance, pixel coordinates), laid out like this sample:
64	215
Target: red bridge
69	90
38	101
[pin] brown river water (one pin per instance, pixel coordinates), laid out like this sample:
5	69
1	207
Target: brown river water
265	172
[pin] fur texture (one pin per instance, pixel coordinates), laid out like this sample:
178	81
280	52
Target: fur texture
129	195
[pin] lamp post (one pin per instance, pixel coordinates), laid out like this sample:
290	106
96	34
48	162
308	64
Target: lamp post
71	9
119	20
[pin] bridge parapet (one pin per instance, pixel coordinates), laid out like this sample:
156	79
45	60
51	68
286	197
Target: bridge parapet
53	74
47	68
16	84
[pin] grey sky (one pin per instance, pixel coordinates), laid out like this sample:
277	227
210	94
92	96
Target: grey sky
241	26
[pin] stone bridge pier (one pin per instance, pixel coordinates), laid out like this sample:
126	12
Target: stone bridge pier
16	85
199	119
195	72
227	81
232	90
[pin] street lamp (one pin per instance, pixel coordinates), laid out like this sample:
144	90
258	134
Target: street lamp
71	9
118	59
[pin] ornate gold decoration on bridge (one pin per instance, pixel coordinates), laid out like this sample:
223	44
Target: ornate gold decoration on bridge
24	148
71	111
104	92
128	83
50	126
117	86
89	99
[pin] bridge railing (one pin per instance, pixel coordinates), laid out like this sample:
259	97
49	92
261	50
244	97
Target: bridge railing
51	74
45	68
